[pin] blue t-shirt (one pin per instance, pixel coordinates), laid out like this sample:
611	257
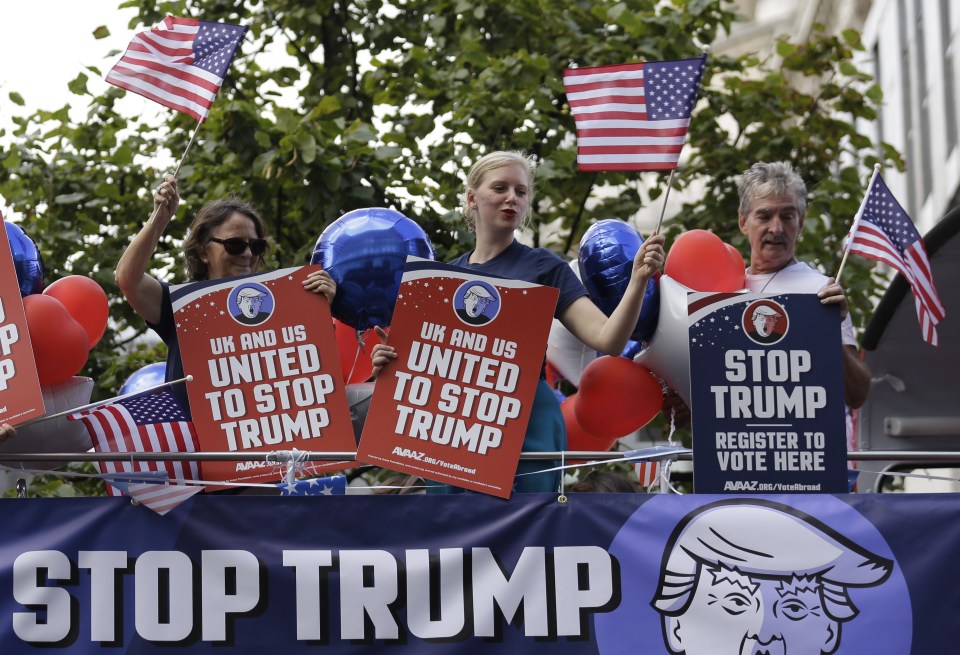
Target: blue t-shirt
166	329
537	265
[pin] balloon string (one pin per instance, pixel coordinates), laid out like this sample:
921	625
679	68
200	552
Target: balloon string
673	425
356	357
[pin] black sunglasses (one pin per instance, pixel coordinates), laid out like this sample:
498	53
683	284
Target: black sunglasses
237	246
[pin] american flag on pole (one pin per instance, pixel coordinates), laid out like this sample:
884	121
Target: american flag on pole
180	63
152	423
633	117
883	231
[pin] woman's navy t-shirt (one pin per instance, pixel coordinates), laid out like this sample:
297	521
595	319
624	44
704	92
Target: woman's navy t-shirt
536	265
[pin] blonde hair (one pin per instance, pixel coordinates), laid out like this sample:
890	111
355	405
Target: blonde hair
492	161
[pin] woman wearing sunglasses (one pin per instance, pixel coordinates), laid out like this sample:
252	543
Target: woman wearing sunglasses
227	238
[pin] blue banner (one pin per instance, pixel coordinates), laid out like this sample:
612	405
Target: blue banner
601	573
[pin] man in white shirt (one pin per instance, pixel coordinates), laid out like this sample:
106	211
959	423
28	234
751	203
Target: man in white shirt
773	203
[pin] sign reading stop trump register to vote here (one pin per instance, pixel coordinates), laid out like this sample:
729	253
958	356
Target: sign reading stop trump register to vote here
266	371
766	384
454	405
20	395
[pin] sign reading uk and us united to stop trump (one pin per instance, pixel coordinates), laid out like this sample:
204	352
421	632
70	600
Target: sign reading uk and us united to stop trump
766	384
266	371
454	406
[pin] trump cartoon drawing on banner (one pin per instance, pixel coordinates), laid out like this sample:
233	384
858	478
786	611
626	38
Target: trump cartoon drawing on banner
751	577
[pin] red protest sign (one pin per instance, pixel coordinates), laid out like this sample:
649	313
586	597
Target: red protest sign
266	372
454	406
20	395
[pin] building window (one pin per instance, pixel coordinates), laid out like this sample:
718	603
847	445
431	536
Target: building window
949	90
907	102
926	158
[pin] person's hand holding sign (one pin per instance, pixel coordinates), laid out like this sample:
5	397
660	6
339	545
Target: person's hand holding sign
832	294
382	354
321	282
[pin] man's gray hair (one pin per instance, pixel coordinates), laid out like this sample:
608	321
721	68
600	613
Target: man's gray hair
764	179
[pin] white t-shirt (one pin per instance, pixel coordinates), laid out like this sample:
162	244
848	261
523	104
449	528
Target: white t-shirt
797	278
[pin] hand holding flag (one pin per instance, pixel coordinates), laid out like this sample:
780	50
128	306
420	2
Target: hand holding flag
883	231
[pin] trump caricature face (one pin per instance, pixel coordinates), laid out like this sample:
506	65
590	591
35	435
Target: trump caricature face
475	301
734	614
250	304
765	322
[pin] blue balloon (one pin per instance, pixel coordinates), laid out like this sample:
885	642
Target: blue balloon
365	251
631	349
26	260
606	257
144	378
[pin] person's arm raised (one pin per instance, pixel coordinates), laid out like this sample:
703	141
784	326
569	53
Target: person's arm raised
141	289
610	335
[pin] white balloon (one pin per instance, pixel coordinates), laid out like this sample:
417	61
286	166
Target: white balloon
57	435
668	352
565	352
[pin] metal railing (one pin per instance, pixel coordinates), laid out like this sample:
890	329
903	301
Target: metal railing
862	456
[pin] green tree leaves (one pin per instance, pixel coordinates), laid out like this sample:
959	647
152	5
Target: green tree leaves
337	105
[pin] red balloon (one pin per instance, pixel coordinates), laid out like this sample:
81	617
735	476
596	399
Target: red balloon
60	344
577	437
737	261
616	397
355	363
699	260
85	301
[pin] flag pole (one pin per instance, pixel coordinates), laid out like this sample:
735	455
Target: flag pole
40	419
187	149
666	196
183	157
856	221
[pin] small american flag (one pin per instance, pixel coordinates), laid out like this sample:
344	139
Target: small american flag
335	485
152	423
162	498
883	231
633	117
648	473
180	63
